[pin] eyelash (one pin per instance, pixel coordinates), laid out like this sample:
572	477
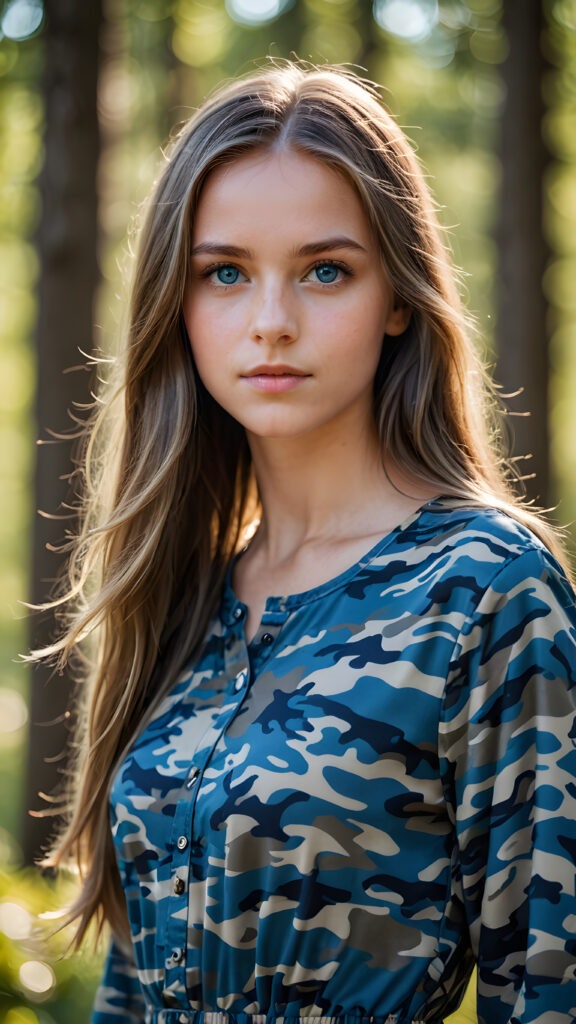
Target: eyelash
208	271
346	270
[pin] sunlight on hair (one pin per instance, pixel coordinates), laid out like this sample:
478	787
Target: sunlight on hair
256	12
22	18
412	20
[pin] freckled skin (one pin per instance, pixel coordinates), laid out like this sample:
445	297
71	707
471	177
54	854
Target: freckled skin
324	315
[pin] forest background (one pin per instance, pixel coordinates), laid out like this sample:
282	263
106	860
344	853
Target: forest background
88	95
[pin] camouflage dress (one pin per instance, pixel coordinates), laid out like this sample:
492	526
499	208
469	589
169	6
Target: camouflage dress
331	824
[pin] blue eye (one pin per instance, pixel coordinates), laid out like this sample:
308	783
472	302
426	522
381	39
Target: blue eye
326	272
227	275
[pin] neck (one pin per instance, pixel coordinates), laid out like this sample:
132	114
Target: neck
326	486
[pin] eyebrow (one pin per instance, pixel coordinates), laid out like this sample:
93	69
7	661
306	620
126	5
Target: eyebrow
309	249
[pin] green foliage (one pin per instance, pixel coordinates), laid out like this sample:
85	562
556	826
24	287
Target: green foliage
159	59
560	223
20	158
38	984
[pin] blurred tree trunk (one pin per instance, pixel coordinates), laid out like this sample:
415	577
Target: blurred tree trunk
67	247
522	334
372	46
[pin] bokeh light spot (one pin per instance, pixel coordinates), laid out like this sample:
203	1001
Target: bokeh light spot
37	977
564	11
22	18
10	852
13	710
20	1015
15	921
255	12
412	20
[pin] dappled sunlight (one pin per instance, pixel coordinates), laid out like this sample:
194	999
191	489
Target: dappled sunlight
440	64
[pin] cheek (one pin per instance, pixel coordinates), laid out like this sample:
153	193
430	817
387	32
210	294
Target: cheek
211	324
211	347
364	313
359	338
203	333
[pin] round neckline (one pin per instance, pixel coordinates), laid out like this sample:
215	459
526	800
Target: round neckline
286	602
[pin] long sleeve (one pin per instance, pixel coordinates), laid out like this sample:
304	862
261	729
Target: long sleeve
508	760
119	996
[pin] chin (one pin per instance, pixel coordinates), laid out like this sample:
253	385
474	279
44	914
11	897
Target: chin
278	431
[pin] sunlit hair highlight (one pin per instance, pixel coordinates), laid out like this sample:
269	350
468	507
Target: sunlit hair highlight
169	486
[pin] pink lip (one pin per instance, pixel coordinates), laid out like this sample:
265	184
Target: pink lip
275	378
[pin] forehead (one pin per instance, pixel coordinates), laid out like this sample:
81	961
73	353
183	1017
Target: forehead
278	190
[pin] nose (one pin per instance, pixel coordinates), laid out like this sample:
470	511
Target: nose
273	314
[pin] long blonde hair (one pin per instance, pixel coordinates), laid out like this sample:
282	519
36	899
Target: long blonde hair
168	477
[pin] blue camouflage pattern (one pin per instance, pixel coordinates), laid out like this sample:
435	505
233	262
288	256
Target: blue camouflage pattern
333	823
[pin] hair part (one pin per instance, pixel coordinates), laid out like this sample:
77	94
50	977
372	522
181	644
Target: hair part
168	477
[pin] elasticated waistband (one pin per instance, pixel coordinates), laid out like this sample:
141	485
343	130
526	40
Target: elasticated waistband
210	1017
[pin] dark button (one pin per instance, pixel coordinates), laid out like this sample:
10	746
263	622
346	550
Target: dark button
179	886
182	842
176	957
267	639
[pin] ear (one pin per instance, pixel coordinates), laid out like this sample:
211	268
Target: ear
398	317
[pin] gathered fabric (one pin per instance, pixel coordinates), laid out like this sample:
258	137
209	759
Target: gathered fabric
208	1017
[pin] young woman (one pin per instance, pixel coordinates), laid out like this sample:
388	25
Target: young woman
329	758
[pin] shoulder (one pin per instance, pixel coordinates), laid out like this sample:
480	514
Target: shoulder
466	559
482	540
516	648
464	521
503	583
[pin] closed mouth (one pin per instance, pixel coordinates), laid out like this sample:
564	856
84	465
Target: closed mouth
275	371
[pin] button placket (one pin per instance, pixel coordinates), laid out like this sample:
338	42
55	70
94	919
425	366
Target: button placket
262	645
237	665
186	852
240	664
178	893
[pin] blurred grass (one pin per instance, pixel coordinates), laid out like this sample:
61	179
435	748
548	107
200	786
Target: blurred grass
38	984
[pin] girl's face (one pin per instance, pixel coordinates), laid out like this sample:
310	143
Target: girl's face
287	305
